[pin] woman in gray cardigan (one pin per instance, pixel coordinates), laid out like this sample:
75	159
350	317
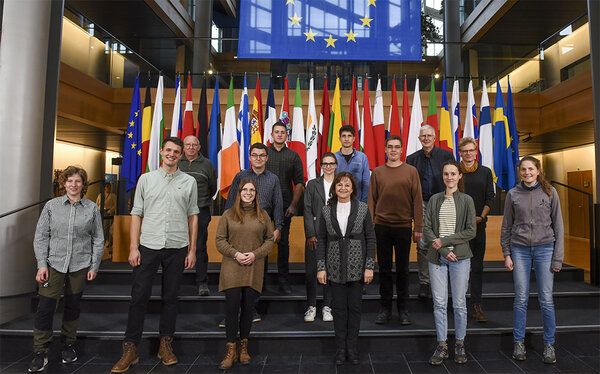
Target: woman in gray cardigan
345	258
449	225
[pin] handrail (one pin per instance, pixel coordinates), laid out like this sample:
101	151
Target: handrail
38	203
593	250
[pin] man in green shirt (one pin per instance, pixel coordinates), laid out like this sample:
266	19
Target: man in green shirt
164	224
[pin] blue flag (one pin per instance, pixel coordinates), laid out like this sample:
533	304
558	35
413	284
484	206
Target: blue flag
323	30
504	167
215	135
132	150
512	125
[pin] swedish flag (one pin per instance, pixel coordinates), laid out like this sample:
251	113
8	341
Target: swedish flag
504	167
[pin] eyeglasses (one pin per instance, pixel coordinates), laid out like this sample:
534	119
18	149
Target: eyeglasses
256	157
467	150
191	145
396	147
426	136
328	164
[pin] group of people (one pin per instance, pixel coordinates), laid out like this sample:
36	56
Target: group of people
351	215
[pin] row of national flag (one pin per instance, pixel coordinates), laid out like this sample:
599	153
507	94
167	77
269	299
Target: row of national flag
226	144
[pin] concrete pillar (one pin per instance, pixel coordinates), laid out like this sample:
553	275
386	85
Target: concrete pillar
29	68
452	51
201	49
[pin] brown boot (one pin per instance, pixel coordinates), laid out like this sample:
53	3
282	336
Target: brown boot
244	356
165	352
231	356
128	358
478	313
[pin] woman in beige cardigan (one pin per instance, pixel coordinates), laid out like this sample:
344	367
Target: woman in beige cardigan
244	238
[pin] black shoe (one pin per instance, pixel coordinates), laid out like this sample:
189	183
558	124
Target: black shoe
203	289
383	316
68	354
424	291
285	288
256	317
405	318
353	357
39	362
364	290
222	324
340	357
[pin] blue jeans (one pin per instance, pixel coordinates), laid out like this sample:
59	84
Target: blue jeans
459	282
541	257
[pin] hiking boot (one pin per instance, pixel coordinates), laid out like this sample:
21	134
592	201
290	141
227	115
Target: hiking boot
231	356
39	362
128	358
244	356
165	351
519	352
478	314
440	353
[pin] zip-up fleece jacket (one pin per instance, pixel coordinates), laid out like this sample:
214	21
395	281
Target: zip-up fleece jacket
533	218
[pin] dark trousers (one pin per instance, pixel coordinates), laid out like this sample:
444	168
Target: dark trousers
310	266
283	252
347	300
388	240
234	299
49	293
201	253
173	263
478	248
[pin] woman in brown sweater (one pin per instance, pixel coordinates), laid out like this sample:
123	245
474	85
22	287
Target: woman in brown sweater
244	238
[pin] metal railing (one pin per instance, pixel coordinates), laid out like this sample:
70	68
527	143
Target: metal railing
594	268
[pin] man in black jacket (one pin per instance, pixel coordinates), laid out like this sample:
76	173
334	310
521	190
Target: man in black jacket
428	161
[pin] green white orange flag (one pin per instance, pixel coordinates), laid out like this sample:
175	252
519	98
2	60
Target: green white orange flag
157	131
230	157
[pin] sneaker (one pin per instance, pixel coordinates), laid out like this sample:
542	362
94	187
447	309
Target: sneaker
519	352
68	354
222	324
256	317
327	316
460	355
383	316
549	356
405	318
310	314
440	353
39	362
203	289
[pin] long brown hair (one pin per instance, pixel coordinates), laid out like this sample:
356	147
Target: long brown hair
544	182
70	171
461	181
239	214
338	177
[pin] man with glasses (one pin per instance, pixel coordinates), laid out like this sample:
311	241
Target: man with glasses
269	195
480	186
395	204
428	161
203	171
353	161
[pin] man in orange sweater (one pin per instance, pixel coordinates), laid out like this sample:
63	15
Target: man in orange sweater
395	201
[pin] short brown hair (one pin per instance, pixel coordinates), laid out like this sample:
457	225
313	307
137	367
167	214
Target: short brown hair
393	137
70	171
338	177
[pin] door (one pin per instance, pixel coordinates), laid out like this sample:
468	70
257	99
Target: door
579	219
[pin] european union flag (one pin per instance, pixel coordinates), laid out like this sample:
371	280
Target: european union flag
330	30
132	150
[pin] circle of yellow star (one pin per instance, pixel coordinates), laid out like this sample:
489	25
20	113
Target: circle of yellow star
366	21
130	135
351	36
330	41
133	145
371	2
310	35
131	123
295	19
139	152
293	3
